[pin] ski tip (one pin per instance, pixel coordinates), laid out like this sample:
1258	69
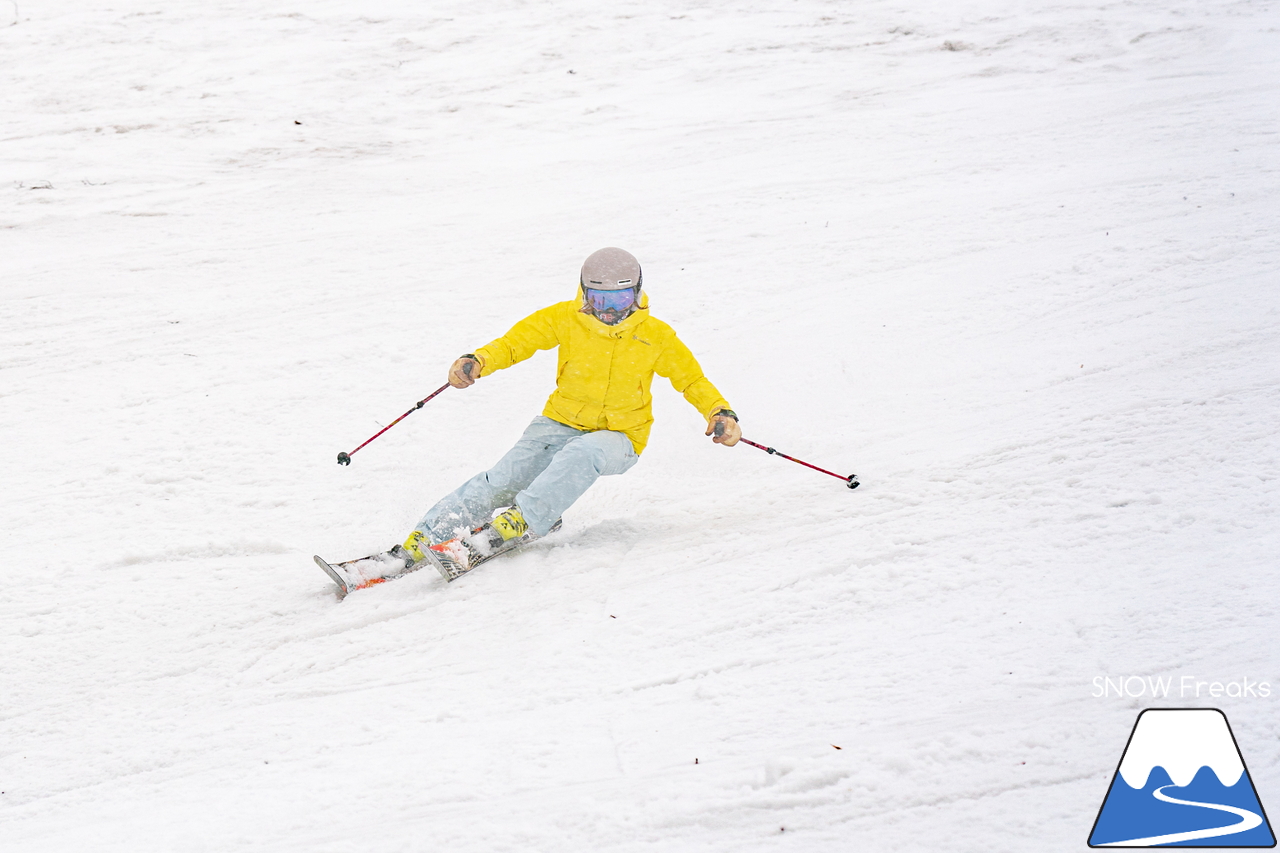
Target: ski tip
333	575
435	560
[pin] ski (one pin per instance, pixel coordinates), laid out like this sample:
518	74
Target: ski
452	565
452	559
455	557
351	575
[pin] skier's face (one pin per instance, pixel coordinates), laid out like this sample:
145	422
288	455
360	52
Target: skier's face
611	306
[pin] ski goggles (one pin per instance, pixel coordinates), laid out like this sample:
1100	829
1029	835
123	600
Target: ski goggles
605	301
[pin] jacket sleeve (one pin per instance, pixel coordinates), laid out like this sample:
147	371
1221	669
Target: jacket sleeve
533	333
678	364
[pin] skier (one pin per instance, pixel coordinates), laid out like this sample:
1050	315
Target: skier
595	423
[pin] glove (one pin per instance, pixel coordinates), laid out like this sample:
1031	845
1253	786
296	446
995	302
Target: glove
724	424
464	371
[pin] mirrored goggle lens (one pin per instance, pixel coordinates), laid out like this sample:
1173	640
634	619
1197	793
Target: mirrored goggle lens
611	300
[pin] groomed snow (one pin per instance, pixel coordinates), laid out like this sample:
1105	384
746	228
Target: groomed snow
1013	263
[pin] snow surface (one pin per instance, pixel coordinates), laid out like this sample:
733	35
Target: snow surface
1013	263
1181	742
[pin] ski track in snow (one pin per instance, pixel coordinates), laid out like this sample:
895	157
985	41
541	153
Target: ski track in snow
1013	265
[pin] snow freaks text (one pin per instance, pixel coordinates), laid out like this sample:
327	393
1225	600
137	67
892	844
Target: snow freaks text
1182	687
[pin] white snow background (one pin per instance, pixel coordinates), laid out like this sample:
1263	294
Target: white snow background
1013	263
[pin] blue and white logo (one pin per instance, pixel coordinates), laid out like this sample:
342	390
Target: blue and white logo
1181	783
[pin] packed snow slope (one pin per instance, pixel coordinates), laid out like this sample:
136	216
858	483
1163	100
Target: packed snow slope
1013	263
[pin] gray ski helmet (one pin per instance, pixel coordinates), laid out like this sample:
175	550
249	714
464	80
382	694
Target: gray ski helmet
611	269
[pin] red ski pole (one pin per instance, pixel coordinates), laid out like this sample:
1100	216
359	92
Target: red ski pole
345	458
851	481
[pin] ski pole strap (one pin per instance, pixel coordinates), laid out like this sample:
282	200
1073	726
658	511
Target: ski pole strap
851	481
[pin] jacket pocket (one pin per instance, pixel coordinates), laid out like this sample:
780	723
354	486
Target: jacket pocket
568	410
629	419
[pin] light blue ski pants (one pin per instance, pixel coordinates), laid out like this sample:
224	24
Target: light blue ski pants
551	466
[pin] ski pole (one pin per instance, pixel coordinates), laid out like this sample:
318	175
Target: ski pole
851	481
345	458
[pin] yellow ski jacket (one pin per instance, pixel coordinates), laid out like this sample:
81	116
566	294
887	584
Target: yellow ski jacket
604	372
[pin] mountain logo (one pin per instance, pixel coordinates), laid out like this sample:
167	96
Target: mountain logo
1181	783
